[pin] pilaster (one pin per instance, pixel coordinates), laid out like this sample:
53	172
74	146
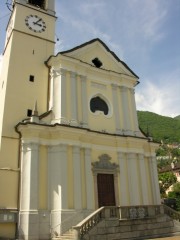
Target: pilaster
143	180
116	110
74	105
125	105
124	191
29	199
77	178
89	179
134	112
154	180
134	192
57	184
59	96
84	102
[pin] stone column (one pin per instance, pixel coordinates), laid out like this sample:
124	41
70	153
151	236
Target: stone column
57	185
125	105
134	113
124	191
74	105
84	102
89	179
133	179
29	196
116	108
59	96
154	180
77	178
143	178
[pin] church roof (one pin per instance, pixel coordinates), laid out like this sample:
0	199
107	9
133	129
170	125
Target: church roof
107	49
74	51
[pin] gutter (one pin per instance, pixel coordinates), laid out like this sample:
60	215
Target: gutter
19	179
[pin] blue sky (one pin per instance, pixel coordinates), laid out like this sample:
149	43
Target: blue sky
143	33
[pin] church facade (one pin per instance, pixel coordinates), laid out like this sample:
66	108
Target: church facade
70	136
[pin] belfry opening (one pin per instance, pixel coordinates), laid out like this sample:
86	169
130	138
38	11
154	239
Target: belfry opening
37	3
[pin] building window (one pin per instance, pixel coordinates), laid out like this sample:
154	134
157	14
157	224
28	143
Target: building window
38	3
97	62
29	112
31	78
98	104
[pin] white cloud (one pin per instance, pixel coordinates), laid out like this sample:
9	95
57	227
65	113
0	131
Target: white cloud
147	23
163	99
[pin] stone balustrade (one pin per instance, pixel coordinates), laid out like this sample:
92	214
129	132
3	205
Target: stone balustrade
125	212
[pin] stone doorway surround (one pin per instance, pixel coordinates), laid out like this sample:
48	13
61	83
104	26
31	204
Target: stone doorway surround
105	166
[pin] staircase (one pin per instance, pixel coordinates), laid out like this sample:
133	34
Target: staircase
115	223
115	229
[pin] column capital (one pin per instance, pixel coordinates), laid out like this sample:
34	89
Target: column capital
121	155
131	156
30	146
76	149
73	74
141	156
57	148
57	72
114	86
132	91
83	78
123	88
87	151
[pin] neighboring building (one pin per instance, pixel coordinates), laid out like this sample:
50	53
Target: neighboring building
70	137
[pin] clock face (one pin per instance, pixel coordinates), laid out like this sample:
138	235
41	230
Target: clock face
35	23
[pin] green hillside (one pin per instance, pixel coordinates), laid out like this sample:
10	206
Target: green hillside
160	127
177	117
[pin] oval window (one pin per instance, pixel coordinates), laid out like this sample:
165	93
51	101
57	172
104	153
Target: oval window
98	104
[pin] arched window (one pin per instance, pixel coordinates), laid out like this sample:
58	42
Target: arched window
98	104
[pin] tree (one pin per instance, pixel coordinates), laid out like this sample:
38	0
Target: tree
165	181
175	194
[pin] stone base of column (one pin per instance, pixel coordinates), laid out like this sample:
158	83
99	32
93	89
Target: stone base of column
83	124
44	223
56	223
34	225
74	123
28	228
60	121
119	131
128	132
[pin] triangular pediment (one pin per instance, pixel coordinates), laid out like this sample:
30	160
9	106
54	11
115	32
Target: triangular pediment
96	53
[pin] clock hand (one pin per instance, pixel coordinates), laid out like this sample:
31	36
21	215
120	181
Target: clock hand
37	24
38	21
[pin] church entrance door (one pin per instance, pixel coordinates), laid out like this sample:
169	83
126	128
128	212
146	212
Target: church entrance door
106	194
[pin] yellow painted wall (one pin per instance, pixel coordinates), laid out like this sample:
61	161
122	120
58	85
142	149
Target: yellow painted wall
7	230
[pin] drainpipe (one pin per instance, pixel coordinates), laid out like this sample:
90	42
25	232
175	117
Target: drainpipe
19	178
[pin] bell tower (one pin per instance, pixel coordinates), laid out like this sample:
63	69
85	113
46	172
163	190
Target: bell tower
23	82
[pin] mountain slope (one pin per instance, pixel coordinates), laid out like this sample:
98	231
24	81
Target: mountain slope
160	127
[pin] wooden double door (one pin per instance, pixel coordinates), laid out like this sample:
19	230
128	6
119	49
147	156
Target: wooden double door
106	192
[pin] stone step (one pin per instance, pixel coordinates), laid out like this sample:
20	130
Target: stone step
114	229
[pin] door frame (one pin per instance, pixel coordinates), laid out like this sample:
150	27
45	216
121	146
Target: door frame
105	166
